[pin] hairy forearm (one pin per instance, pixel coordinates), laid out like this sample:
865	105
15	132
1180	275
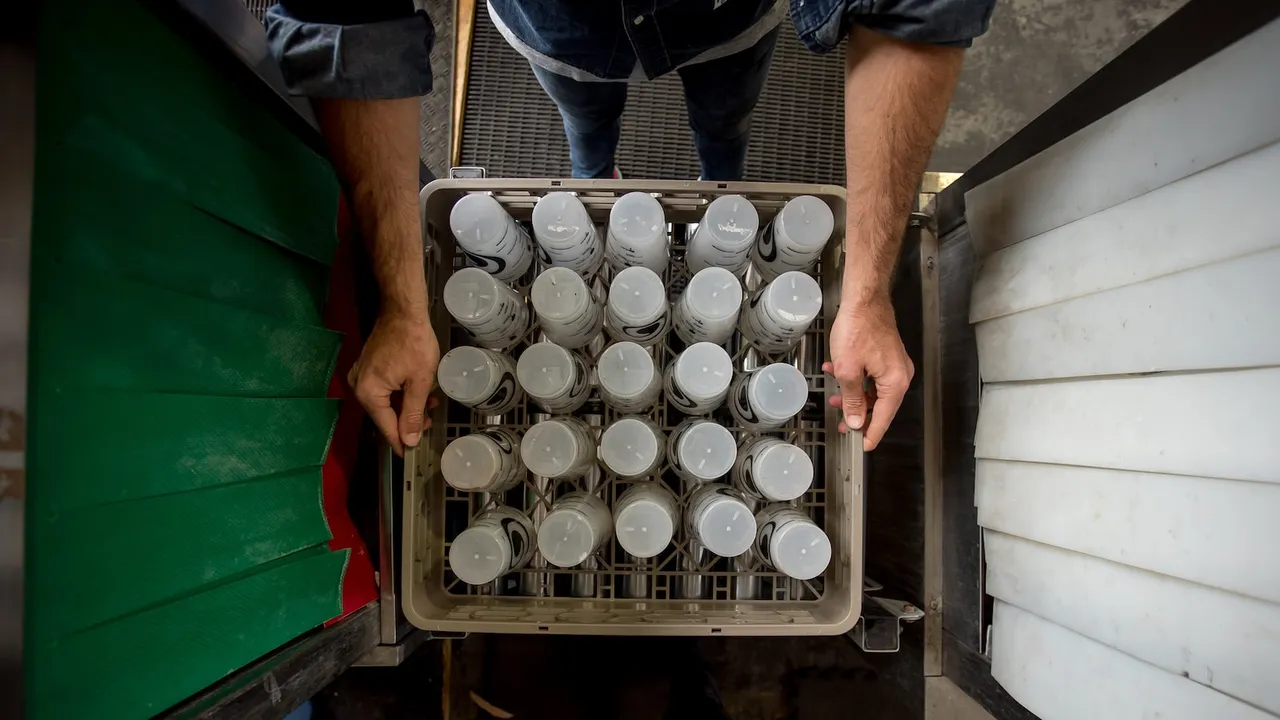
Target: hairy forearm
374	144
896	97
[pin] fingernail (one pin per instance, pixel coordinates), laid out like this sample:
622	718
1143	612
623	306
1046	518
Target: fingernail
412	439
854	422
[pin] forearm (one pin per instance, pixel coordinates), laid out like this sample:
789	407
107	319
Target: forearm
896	97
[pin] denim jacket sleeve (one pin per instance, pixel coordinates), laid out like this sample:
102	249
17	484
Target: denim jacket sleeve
822	24
368	50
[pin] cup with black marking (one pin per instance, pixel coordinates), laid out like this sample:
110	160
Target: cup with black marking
724	236
577	526
795	239
637	308
701	450
637	235
629	380
494	314
498	541
697	381
719	518
481	379
553	377
565	235
490	238
767	398
484	461
633	447
644	519
562	447
792	543
707	310
781	312
771	469
567	312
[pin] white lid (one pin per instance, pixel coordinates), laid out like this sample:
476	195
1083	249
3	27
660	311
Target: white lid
471	462
479	555
800	549
732	218
707	450
714	293
559	294
795	297
559	217
566	538
549	448
782	472
477	220
637	216
644	528
704	370
778	390
470	293
465	374
628	447
545	370
625	369
727	527
806	221
637	294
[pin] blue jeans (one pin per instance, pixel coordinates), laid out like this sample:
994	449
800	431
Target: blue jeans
720	96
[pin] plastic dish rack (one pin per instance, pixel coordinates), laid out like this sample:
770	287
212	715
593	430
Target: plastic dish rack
683	591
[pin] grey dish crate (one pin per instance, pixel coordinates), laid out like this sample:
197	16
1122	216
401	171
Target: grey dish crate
683	591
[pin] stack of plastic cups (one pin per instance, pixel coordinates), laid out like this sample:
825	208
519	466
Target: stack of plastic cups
579	524
767	398
633	447
483	380
629	381
490	238
781	312
790	542
559	448
495	315
707	310
566	236
697	381
484	461
795	239
637	309
567	313
553	377
773	470
718	518
701	450
645	519
724	236
499	541
637	234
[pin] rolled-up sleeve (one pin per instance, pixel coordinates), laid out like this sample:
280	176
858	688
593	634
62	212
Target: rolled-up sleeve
822	24
368	50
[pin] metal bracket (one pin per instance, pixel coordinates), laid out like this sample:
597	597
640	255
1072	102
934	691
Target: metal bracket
467	173
879	630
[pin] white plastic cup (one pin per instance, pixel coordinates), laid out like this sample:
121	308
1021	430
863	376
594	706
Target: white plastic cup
483	380
644	519
565	234
629	380
792	543
701	450
484	461
562	447
707	310
579	524
633	447
637	309
494	314
497	542
698	380
768	397
566	310
781	312
774	470
490	238
795	239
719	518
637	235
553	377
724	236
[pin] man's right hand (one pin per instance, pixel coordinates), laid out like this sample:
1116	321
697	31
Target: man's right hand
401	355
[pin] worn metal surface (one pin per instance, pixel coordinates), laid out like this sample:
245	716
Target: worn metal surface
436	117
930	378
880	628
395	654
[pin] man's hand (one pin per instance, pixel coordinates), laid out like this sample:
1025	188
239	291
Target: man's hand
401	355
865	343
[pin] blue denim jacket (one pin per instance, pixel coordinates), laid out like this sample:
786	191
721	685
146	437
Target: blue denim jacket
380	48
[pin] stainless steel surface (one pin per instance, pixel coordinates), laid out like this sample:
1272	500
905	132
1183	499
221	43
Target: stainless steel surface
393	655
388	588
880	628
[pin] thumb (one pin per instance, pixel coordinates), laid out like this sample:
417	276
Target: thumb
412	411
855	400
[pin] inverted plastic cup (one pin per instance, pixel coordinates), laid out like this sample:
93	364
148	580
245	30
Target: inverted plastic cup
645	521
546	371
555	448
560	294
480	555
475	463
626	373
632	447
800	550
782	472
637	295
777	392
468	375
804	222
560	219
721	521
793	298
637	233
705	450
703	371
714	294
